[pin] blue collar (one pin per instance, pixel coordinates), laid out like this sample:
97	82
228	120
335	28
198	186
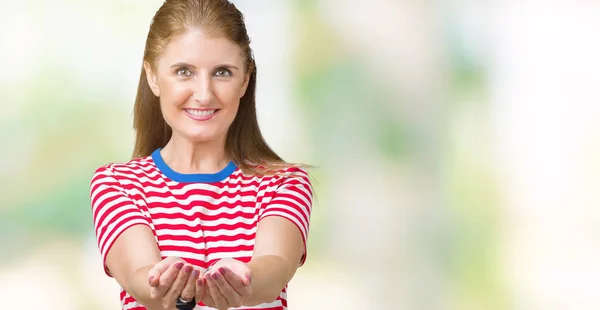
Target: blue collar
193	177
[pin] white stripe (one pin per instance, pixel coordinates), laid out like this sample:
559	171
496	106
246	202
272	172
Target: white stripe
230	244
123	221
237	254
188	255
304	201
305	188
160	188
130	305
268	189
303	216
105	207
220	221
283	295
182	243
230	232
135	167
100	180
205	198
273	304
99	201
115	233
131	173
140	180
206	233
203	210
210	244
217	189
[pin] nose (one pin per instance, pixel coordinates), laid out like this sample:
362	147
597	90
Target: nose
203	89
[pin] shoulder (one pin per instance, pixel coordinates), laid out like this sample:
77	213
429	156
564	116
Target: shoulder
275	173
135	165
115	170
293	177
294	172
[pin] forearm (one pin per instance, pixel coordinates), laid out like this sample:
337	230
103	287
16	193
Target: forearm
270	274
138	287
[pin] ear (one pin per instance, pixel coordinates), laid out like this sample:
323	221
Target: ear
151	78
245	85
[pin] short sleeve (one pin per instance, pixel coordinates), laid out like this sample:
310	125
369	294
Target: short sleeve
113	210
293	200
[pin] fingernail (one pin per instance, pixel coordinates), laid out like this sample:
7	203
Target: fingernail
222	270
215	276
151	278
188	269
200	282
179	265
195	273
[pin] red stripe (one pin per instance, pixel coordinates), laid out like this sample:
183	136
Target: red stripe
207	239
195	191
203	204
104	230
278	208
126	204
239	215
221	249
186	227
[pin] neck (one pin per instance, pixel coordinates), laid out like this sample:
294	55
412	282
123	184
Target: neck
188	157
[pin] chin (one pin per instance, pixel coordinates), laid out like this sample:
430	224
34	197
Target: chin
201	137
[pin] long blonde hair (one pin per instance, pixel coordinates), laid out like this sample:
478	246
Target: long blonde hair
244	145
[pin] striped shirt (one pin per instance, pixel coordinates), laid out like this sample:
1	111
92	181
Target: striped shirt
198	217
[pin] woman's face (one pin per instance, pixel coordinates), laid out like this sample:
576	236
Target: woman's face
200	80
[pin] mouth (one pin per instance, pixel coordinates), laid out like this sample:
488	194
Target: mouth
201	114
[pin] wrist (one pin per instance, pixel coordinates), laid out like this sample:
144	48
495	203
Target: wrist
139	288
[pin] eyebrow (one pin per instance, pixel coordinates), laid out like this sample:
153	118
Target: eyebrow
182	64
185	64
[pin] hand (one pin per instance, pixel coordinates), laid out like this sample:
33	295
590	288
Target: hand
170	279
225	285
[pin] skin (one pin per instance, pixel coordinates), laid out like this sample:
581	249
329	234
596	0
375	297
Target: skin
202	72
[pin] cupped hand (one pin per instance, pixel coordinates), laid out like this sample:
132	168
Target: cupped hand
170	279
226	284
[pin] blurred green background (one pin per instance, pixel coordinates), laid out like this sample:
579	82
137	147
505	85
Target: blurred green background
456	144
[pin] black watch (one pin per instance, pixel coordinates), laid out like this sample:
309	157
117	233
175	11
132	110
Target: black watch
185	305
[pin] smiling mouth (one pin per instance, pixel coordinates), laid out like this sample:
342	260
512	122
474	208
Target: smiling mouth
201	113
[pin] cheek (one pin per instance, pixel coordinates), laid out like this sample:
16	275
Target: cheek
174	93
228	95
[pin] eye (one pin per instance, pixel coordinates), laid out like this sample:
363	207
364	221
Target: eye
223	72
183	72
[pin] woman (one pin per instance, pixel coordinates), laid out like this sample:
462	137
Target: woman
206	215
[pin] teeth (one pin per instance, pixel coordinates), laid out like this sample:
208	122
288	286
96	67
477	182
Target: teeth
201	112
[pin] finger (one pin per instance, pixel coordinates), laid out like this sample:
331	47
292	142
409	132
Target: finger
227	291
155	272
203	293
235	281
189	290
168	277
177	287
219	300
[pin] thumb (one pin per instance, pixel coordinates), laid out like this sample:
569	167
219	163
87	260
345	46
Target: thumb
247	278
156	271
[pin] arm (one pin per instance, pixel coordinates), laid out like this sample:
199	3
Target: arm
130	259
277	253
280	244
127	243
279	249
231	283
